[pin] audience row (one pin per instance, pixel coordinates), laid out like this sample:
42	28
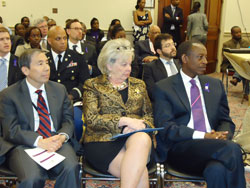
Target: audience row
191	108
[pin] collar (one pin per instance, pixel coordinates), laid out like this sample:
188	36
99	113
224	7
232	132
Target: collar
186	79
236	41
165	61
45	38
173	7
54	54
7	57
32	89
72	44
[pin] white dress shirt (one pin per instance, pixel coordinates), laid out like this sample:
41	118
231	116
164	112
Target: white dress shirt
173	10
167	66
186	81
55	58
151	45
34	97
78	48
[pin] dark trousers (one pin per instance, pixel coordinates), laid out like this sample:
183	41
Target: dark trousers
220	161
176	36
31	175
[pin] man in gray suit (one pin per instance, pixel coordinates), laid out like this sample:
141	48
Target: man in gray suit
36	112
163	67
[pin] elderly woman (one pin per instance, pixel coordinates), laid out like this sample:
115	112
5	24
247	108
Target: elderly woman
116	103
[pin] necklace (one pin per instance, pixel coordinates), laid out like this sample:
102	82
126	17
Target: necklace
121	87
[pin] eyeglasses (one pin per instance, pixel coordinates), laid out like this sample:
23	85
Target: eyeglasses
77	28
169	45
44	26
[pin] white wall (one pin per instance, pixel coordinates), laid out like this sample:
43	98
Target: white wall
230	16
84	10
233	16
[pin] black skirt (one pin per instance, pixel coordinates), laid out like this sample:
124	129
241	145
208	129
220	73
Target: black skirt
100	154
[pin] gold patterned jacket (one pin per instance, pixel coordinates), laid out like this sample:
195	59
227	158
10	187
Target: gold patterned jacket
103	107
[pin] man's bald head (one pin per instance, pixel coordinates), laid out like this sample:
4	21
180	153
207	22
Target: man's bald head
154	30
57	39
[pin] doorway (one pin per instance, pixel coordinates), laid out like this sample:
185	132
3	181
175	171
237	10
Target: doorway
213	11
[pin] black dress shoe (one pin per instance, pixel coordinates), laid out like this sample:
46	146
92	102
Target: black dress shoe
234	82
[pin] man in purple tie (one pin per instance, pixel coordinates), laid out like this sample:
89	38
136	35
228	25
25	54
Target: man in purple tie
36	112
194	111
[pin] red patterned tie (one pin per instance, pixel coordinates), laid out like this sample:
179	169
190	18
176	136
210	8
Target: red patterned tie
44	123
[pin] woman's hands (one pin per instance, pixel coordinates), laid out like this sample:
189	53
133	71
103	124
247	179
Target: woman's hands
132	124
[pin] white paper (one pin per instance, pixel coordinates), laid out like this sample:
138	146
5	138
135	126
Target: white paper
43	158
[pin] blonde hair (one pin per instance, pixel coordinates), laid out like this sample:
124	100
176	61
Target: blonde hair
113	50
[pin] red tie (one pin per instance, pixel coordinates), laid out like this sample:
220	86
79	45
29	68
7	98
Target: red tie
44	123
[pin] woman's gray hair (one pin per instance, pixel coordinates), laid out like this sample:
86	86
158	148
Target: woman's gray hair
113	50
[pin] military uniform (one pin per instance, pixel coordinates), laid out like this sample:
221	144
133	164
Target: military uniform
72	72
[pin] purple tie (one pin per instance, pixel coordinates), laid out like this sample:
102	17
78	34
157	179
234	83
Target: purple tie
197	111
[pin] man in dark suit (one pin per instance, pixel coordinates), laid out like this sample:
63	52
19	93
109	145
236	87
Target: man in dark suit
36	112
74	30
9	69
67	67
144	49
173	18
163	67
194	111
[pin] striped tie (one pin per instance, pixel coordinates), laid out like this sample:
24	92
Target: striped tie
44	123
3	74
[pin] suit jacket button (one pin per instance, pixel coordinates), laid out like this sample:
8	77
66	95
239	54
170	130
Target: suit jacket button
124	114
59	81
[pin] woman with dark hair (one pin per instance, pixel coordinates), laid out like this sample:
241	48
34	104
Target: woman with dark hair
113	23
116	31
32	40
18	38
197	25
95	34
142	20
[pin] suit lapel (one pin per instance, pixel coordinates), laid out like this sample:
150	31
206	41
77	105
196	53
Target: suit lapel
146	43
51	97
27	103
160	66
181	91
11	71
177	64
84	48
208	98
